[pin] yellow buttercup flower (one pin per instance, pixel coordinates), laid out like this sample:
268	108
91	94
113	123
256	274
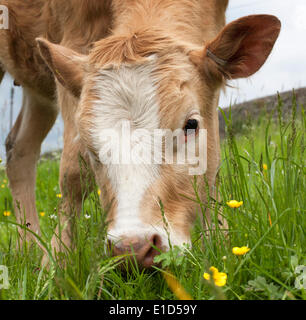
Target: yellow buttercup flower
234	203
7	213
206	276
99	192
42	214
4	181
59	195
213	270
240	251
265	166
2	186
219	278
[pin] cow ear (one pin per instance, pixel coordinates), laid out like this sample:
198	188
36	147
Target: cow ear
66	65
240	49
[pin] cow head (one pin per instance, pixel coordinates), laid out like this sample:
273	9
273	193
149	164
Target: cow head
134	88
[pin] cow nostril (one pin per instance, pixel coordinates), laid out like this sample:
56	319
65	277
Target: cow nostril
153	250
156	241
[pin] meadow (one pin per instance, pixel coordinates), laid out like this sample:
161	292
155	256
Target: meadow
263	165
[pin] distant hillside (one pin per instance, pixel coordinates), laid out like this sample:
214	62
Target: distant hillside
252	110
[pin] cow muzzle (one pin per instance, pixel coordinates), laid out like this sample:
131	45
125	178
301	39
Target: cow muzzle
136	249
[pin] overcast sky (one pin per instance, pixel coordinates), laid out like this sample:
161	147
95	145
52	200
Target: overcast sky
284	70
286	67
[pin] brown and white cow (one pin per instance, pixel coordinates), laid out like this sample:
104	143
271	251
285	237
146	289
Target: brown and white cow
154	64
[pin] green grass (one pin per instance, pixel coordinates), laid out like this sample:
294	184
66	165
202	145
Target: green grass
271	223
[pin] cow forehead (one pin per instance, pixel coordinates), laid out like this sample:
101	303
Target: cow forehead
127	93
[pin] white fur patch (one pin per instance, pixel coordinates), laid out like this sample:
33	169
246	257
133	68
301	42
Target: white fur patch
126	95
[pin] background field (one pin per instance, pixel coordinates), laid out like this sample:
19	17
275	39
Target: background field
263	165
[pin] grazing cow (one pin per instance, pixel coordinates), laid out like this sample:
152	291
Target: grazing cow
107	65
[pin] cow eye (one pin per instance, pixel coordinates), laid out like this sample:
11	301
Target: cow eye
191	124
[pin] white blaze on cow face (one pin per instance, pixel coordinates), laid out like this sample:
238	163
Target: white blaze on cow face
127	101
